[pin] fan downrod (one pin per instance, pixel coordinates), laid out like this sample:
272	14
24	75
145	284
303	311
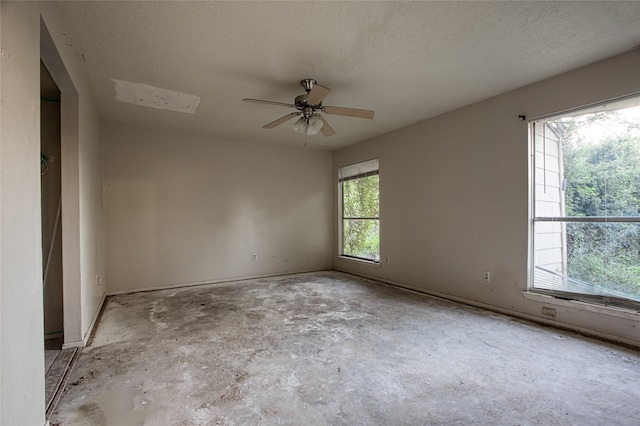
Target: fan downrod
308	84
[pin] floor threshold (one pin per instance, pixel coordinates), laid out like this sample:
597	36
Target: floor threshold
57	376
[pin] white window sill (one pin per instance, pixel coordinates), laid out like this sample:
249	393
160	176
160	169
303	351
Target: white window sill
583	306
360	261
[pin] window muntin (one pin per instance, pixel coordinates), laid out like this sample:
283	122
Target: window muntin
360	211
586	204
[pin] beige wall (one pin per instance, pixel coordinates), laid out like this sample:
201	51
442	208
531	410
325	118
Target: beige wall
454	197
21	315
183	209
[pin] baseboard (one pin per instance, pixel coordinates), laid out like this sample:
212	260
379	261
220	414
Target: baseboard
94	320
561	326
85	338
208	282
55	335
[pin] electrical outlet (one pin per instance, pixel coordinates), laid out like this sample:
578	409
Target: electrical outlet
550	312
386	260
98	280
255	256
486	276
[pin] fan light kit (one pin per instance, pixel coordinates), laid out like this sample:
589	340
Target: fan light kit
310	126
309	106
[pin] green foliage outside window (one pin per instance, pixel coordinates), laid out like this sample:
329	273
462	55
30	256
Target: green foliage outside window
603	179
361	212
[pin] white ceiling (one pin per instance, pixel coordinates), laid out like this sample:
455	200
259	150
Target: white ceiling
406	60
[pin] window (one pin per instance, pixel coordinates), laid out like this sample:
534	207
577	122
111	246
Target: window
360	211
586	204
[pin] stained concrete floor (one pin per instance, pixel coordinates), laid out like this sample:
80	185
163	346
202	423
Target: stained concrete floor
330	348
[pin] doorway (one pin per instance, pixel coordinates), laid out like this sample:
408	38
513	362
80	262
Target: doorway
51	221
60	216
50	191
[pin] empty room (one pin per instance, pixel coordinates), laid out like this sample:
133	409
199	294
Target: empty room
358	213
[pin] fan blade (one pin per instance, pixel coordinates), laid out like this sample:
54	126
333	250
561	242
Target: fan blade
349	112
280	120
260	101
317	94
326	129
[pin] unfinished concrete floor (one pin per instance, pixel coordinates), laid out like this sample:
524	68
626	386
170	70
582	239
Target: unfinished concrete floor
330	348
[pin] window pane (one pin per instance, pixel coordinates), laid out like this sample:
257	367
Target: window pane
601	259
588	165
360	208
361	238
360	197
602	163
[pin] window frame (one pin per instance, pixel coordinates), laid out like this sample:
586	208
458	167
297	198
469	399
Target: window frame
602	300
354	171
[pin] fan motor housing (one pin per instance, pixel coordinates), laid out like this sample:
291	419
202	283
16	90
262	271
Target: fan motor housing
301	103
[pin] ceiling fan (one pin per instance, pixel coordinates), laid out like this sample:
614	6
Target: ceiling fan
308	108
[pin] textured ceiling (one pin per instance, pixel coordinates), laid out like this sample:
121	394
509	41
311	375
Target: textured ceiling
406	60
